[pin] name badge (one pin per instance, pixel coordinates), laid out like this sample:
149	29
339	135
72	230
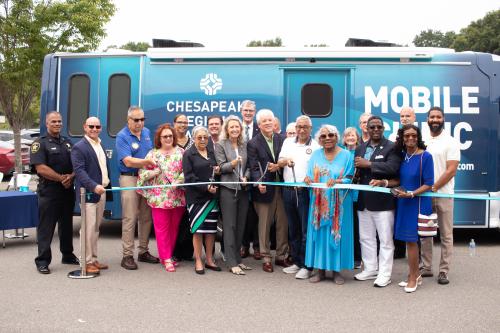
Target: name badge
379	157
135	146
309	151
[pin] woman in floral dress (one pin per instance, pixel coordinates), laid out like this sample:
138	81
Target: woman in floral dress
168	204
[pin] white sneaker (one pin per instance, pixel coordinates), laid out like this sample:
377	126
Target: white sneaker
303	274
291	269
365	275
382	281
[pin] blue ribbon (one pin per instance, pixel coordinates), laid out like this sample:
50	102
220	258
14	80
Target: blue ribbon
354	187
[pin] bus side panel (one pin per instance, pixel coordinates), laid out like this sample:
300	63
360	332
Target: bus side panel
48	96
463	91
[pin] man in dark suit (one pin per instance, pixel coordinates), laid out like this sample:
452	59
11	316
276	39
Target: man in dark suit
376	159
91	172
250	129
263	153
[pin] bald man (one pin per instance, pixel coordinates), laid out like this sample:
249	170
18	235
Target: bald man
91	172
406	116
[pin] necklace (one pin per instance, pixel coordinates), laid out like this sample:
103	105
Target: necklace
408	158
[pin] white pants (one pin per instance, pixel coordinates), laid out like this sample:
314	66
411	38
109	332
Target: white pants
371	224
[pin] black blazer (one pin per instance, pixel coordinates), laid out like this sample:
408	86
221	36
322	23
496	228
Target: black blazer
385	165
258	152
197	168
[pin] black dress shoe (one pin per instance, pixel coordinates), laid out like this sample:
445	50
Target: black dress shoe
147	257
43	269
213	268
70	260
199	271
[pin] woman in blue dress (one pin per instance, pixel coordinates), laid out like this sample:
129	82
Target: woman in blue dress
329	243
416	176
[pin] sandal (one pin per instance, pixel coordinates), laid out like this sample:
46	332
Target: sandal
319	276
244	267
236	270
169	266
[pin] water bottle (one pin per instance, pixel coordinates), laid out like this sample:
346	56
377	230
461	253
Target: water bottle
472	248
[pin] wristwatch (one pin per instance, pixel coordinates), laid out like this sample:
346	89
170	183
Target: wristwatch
411	193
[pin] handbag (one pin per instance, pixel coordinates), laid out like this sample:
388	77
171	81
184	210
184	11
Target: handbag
427	224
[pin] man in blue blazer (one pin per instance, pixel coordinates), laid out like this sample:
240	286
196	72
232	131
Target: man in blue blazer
263	153
91	172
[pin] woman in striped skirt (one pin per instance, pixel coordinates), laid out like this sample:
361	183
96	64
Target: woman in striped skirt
199	166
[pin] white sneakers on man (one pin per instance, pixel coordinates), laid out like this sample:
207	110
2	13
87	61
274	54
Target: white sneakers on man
366	275
303	274
382	281
291	269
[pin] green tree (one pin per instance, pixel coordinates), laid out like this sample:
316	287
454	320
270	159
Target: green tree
270	42
482	35
30	29
132	46
434	38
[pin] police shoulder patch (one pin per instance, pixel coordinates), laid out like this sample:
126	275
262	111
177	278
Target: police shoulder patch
35	147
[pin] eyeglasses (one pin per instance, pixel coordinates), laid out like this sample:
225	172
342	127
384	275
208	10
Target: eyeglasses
247	110
407	136
94	126
330	135
136	120
182	122
202	138
168	136
376	127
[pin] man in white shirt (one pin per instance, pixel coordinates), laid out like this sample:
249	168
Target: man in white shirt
445	152
91	172
363	126
294	157
251	235
250	129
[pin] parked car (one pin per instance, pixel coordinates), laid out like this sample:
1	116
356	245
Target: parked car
7	158
27	136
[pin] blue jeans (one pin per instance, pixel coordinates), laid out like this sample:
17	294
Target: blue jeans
297	221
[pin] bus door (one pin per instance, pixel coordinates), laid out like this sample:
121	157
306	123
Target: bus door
119	88
322	94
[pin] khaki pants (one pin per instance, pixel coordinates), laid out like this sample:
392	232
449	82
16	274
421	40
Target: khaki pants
134	206
443	207
93	213
268	213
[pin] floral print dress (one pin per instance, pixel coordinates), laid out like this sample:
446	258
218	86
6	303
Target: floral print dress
171	172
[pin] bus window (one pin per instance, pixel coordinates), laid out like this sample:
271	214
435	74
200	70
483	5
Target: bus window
317	100
78	103
118	102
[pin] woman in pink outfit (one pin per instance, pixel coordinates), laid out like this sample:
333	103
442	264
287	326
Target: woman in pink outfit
167	203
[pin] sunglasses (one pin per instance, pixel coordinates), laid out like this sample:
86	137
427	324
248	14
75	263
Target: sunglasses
136	120
56	121
168	136
376	127
94	126
330	135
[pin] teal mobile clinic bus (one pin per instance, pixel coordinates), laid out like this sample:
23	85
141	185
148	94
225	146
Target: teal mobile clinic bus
331	86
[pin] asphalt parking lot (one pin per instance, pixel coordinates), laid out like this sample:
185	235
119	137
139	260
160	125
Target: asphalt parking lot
152	300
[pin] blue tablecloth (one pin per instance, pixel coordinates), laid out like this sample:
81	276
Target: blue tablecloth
18	210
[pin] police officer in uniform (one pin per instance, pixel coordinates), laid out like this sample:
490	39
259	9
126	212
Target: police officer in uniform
51	158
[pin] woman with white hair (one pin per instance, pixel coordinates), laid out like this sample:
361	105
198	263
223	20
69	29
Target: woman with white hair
329	244
199	166
231	156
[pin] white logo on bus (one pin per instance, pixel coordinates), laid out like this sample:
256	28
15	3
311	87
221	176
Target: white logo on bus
211	84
